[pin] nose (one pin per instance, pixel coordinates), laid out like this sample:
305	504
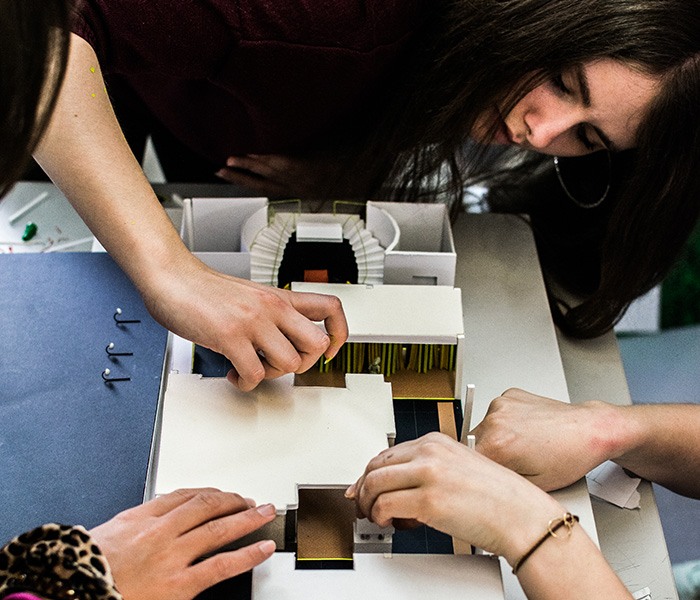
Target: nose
542	118
547	125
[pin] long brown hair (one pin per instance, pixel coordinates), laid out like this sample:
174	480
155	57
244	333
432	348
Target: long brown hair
474	53
33	54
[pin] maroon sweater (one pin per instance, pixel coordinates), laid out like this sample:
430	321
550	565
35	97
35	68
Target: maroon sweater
229	77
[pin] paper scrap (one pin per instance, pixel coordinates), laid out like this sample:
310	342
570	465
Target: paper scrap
643	594
609	482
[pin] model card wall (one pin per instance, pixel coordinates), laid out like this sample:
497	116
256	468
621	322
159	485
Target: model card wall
419	248
212	228
399	243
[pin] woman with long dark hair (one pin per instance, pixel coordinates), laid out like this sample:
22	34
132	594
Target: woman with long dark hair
469	58
405	100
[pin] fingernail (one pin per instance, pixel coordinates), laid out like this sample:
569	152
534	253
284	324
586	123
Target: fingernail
250	502
267	547
266	510
231	162
350	492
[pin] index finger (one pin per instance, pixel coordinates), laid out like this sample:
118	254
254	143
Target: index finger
398	454
326	308
164	503
206	505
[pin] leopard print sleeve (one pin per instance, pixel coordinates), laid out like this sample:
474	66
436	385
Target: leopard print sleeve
56	562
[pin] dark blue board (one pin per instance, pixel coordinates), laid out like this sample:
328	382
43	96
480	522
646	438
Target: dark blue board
72	448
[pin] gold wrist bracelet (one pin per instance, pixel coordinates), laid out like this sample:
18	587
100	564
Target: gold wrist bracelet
568	521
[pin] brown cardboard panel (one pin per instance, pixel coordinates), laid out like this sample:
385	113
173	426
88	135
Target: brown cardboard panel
314	378
448	426
446	418
435	384
405	384
325	521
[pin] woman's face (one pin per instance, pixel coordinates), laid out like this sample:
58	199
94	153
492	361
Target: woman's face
596	106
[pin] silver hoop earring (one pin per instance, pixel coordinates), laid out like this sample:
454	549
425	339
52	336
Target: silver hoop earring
571	197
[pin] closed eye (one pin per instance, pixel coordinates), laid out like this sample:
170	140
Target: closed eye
558	82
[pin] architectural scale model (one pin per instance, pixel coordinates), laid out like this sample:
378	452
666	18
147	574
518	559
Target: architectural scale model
285	441
299	441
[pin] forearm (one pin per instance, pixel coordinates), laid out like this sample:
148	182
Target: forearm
567	564
86	155
571	567
554	444
661	443
441	483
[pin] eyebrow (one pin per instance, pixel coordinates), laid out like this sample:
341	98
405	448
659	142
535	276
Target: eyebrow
585	92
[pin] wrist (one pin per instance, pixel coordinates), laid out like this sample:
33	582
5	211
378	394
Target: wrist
557	529
613	432
164	273
531	511
156	263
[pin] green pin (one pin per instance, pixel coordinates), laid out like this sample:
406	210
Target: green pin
29	231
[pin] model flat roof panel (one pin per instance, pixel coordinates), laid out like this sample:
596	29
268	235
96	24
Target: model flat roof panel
264	443
397	313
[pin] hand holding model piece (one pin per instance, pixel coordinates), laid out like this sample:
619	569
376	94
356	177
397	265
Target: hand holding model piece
265	332
441	483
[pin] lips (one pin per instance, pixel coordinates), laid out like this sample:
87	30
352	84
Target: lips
502	135
491	128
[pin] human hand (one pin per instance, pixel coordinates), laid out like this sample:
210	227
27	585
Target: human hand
281	176
441	483
552	443
264	331
152	548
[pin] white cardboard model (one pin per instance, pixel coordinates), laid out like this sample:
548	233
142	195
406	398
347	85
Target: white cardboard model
404	576
411	238
417	240
408	244
267	443
263	444
413	314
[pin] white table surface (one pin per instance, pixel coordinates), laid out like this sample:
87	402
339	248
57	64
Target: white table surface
510	339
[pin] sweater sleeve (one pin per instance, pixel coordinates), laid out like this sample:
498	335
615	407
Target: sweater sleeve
55	562
136	37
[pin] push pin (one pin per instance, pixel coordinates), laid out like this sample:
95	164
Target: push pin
107	379
109	350
119	321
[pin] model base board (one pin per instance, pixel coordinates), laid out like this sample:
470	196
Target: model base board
405	576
